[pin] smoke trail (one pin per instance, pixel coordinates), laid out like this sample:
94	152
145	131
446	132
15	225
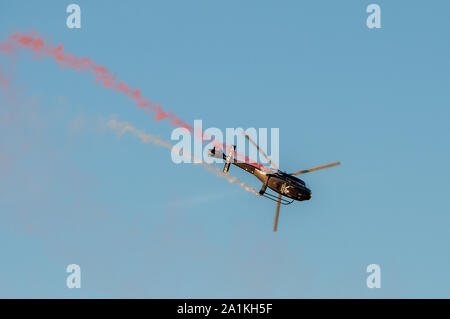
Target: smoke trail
4	81
124	127
38	46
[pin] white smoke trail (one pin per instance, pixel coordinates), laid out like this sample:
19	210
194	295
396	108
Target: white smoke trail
124	127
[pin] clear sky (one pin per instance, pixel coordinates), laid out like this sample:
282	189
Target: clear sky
73	191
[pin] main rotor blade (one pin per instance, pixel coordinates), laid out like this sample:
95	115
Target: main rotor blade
316	168
275	225
260	150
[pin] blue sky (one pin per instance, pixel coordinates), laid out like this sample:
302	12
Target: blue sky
73	191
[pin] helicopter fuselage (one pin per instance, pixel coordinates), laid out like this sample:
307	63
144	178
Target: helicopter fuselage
278	181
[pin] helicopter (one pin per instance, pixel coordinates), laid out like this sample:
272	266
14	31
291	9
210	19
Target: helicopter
282	183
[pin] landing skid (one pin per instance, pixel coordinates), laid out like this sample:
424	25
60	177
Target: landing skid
275	199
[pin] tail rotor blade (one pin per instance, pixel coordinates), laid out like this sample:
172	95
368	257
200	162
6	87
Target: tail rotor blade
277	213
316	168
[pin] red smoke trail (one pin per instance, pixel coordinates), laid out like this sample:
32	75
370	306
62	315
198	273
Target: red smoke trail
4	82
38	46
7	48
